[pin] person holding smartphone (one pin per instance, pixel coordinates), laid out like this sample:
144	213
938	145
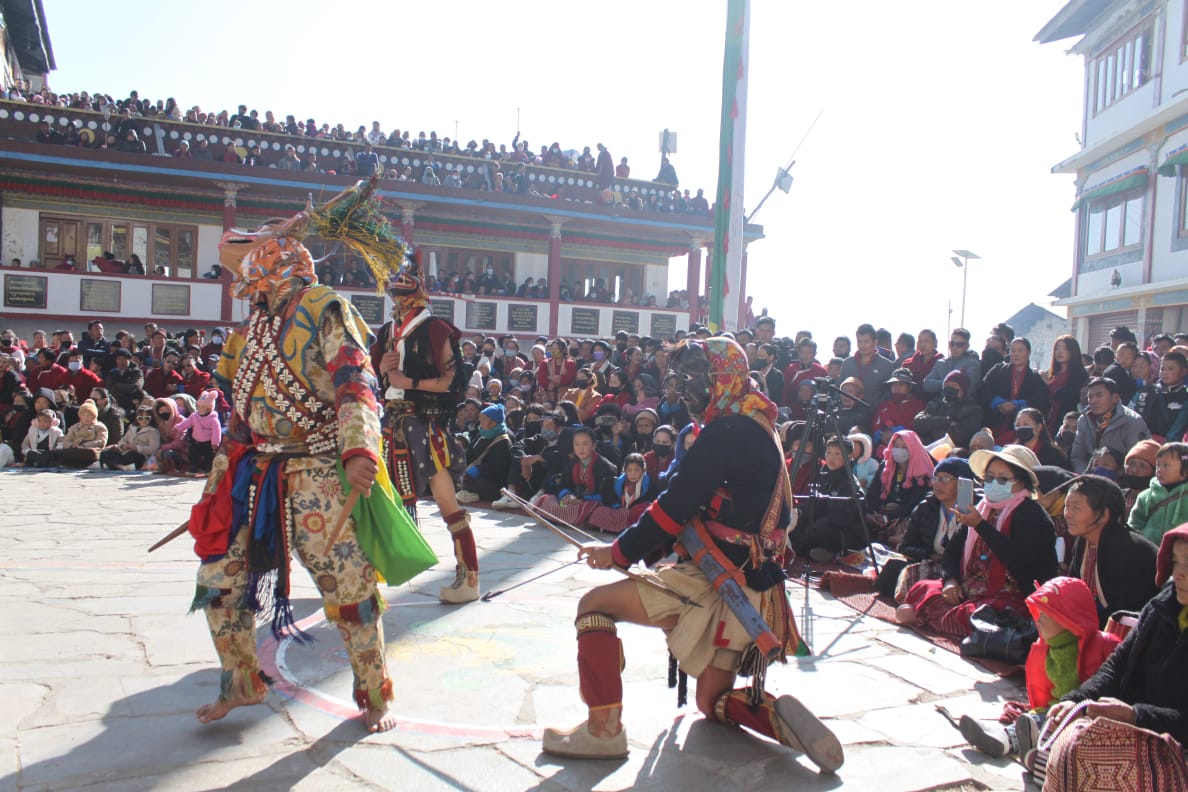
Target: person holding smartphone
933	524
1003	549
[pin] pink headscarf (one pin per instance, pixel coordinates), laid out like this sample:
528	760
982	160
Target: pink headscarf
919	464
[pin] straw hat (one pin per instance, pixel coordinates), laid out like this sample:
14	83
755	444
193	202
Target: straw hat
1016	455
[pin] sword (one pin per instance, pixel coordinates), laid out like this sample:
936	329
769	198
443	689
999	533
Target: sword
536	515
169	537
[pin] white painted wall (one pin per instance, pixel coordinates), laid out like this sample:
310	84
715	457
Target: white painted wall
531	265
63	299
20	229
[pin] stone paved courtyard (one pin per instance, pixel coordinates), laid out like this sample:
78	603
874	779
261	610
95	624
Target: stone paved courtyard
101	669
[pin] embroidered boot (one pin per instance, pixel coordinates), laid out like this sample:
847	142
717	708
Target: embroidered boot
465	587
785	720
600	669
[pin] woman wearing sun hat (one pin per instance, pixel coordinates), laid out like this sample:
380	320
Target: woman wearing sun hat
1003	549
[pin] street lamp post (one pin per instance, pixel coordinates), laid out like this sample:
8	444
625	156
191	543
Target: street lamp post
963	265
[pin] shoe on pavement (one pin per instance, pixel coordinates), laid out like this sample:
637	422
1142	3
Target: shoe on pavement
1027	730
801	730
504	502
465	588
579	743
466	496
989	738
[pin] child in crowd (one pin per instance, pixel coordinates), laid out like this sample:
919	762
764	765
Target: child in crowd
1107	462
138	444
83	441
634	491
865	467
1068	651
43	439
836	523
1163	504
205	433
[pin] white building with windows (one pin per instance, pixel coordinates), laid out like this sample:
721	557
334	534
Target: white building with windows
1130	263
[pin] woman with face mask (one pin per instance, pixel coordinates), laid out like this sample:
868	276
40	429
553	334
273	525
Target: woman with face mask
1012	386
1031	432
1004	547
904	479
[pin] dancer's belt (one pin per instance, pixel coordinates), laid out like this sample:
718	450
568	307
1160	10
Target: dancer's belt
728	581
405	407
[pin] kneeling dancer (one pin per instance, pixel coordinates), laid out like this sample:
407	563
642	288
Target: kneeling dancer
303	398
729	501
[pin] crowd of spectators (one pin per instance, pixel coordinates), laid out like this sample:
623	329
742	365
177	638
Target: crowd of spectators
505	167
1074	470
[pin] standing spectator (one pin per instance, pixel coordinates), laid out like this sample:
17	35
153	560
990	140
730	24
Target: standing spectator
1164	411
667	174
1107	423
961	358
1012	386
93	344
763	364
1065	378
805	367
366	162
605	168
1119	370
868	365
925	356
905	347
623	170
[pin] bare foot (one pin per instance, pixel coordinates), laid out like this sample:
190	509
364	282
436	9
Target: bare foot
380	720
905	614
220	707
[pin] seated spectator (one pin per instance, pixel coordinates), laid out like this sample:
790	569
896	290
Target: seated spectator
165	381
1138	470
125	379
865	466
830	522
1163	411
136	447
488	459
634	489
961	358
1119	371
921	361
1140	685
897	411
130	143
165	419
1070	649
645	392
672	409
643	426
852	415
586	480
83	441
1143	370
43	441
1010	387
1031	433
931	525
203	434
952	412
1005	547
805	367
660	455
110	414
1163	505
1117	564
78	377
904	479
1108	422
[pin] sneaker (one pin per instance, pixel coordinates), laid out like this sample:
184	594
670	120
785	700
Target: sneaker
1027	729
579	743
466	496
464	588
989	738
801	730
504	502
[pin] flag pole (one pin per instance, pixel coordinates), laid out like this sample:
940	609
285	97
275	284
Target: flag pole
726	267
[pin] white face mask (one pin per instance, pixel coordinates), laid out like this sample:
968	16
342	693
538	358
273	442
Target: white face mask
75	365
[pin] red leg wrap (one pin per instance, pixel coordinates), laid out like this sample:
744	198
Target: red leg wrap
733	708
600	661
465	552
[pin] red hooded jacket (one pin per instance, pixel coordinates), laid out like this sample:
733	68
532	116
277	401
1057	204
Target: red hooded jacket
1069	602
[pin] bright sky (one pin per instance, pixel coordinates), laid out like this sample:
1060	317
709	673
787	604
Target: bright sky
941	119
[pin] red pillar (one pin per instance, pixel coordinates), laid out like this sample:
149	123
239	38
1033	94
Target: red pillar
693	277
554	277
742	294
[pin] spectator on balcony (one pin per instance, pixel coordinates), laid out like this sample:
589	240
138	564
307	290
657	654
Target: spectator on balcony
585	161
243	119
135	266
231	155
605	168
254	159
429	177
698	205
310	164
290	160
202	151
366	161
46	133
130	143
452	178
667	174
270	123
183	150
291	125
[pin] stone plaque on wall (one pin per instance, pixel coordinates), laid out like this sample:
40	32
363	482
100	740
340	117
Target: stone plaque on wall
25	291
480	315
99	295
663	326
521	318
171	299
443	309
625	320
584	322
370	307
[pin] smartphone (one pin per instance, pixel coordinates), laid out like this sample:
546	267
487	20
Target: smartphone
964	493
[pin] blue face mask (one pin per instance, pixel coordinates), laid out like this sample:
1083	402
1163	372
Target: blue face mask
1112	475
997	493
509	352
